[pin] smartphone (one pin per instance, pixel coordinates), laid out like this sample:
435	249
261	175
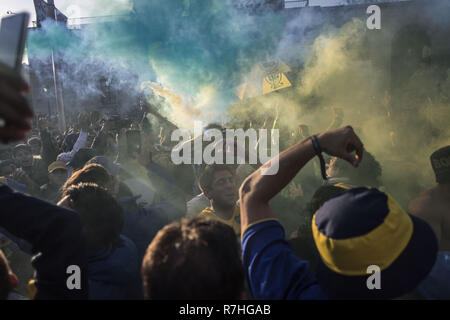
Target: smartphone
13	35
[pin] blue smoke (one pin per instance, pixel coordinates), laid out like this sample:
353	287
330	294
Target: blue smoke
184	44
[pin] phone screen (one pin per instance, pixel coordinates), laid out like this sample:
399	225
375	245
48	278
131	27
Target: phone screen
13	32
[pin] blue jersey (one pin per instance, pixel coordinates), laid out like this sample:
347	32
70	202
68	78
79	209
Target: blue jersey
273	270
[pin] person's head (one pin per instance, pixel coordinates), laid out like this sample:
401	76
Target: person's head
101	215
23	156
91	173
368	172
7	167
363	231
218	183
8	279
440	161
197	258
57	173
112	168
323	194
35	144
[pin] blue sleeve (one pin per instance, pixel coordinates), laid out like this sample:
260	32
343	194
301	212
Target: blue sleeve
55	235
273	270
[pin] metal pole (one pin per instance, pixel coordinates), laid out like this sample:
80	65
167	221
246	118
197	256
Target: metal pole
57	83
58	96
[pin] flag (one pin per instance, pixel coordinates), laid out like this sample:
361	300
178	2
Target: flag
44	11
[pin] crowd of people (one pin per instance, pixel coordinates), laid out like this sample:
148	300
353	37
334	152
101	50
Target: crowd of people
104	199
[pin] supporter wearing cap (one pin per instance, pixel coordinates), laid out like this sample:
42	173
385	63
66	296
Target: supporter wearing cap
352	231
35	144
363	229
57	175
433	205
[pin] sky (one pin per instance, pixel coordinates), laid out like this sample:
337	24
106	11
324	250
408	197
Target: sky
89	8
71	8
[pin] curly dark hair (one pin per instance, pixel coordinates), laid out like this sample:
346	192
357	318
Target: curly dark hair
101	214
197	258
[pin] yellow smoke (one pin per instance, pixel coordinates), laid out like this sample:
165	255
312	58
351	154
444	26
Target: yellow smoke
185	110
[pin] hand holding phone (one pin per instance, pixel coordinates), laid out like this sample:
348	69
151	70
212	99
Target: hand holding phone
13	35
15	111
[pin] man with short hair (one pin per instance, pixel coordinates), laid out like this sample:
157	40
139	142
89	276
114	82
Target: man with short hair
196	259
112	258
433	206
218	184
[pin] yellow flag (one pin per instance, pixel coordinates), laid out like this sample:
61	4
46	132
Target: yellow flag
275	82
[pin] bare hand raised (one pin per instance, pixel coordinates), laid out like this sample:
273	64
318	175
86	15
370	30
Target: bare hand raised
342	143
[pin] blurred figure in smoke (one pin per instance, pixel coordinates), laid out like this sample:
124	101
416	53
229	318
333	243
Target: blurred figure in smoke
146	178
74	142
5	152
57	175
7	173
368	173
433	206
29	170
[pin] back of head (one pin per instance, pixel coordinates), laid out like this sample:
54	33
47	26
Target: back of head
323	194
91	173
101	215
193	259
440	161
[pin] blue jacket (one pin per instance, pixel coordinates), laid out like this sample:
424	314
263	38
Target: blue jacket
114	272
141	223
